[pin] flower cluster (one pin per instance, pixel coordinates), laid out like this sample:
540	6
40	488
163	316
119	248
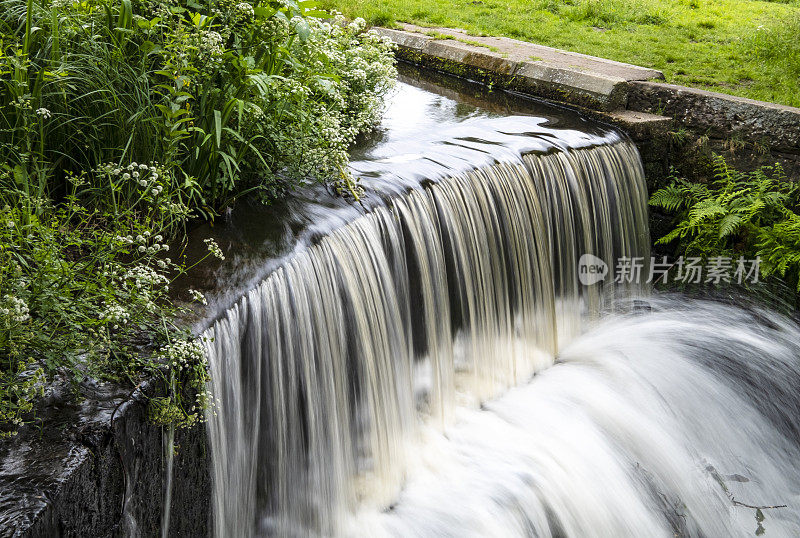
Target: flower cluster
339	108
246	9
145	277
22	103
198	296
214	249
143	174
357	26
115	314
182	354
15	308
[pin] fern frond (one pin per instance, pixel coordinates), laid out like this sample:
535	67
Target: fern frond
704	210
696	191
729	225
672	236
669	198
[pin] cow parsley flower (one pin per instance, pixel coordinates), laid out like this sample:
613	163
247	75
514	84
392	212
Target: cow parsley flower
214	249
199	297
16	309
183	353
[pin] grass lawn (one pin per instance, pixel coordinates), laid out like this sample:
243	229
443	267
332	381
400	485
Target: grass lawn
741	47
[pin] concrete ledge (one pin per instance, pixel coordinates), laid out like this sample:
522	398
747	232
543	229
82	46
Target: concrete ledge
521	51
666	121
564	76
722	116
640	125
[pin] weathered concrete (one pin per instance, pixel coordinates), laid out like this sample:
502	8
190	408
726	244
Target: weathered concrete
523	52
564	76
721	116
673	126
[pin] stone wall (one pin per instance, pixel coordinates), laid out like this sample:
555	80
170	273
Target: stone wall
100	471
674	126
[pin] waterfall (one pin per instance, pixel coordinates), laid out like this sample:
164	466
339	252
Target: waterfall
330	373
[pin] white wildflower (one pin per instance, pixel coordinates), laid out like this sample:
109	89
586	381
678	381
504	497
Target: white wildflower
115	313
246	9
17	309
183	353
214	249
199	297
143	276
357	25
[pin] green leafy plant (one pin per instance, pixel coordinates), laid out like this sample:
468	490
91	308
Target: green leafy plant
750	214
84	293
231	96
122	120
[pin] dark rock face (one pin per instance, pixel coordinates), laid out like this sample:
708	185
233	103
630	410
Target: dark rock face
99	469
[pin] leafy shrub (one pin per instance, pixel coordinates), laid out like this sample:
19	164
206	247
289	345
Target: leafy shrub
79	287
751	214
234	96
122	119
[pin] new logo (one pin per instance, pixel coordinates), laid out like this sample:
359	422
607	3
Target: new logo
591	269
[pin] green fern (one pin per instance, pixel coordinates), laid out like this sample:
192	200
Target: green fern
729	225
779	249
737	214
670	198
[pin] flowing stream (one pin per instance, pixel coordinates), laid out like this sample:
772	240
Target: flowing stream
434	367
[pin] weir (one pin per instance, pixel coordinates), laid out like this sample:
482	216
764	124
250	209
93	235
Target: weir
326	373
432	365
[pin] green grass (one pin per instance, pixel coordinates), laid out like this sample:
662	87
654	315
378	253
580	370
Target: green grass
741	47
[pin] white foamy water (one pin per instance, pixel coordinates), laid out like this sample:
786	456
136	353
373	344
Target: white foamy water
654	424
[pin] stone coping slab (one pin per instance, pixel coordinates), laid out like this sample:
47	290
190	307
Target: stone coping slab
521	51
564	76
596	84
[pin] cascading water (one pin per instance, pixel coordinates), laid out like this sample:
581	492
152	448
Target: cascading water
399	376
323	370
